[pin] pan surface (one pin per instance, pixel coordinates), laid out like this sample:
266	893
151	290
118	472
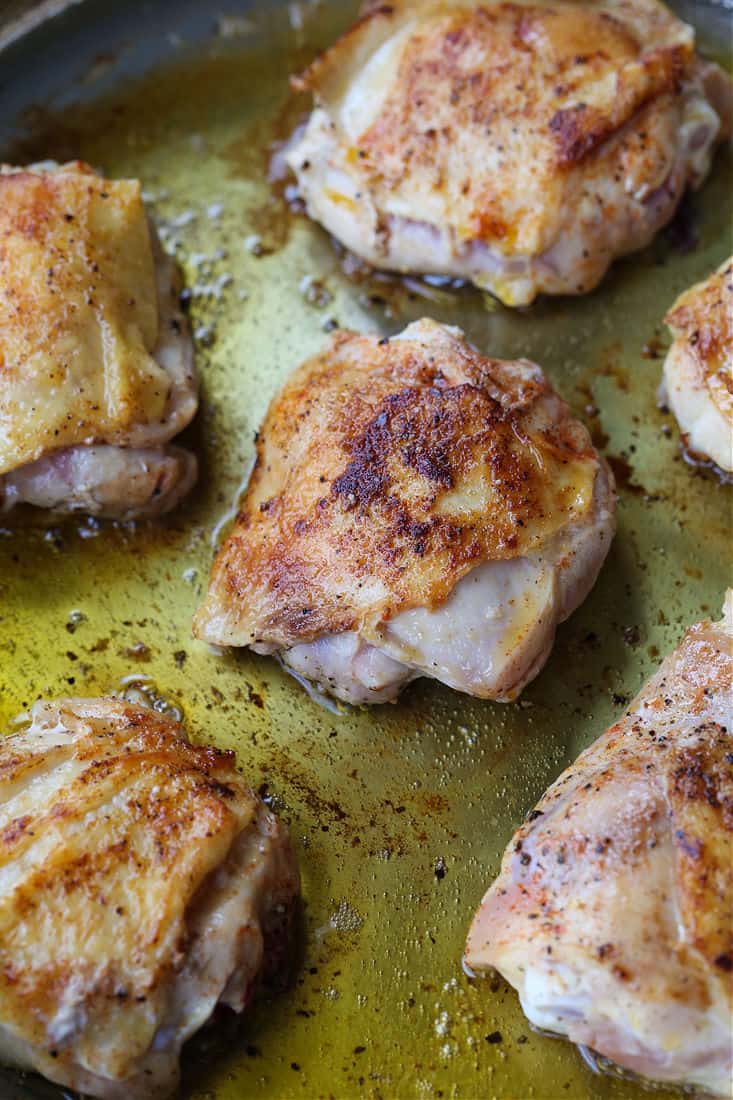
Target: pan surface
399	814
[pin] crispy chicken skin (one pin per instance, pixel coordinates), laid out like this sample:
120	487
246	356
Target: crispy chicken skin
698	371
416	510
521	145
141	884
613	912
96	361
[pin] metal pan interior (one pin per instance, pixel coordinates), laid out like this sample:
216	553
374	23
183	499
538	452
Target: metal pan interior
401	813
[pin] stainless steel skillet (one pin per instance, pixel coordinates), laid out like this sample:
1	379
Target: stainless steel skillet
401	813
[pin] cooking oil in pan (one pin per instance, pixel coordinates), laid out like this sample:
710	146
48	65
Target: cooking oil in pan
400	813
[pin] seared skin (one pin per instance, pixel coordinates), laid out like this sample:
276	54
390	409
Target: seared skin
521	145
94	350
698	371
141	883
387	471
613	911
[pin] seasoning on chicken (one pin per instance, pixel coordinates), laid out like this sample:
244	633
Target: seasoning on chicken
96	360
521	146
141	884
416	510
613	911
698	371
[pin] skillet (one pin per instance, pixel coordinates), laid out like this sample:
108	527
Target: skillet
399	814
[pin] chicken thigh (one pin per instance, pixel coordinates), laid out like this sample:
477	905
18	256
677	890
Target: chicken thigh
416	510
519	145
96	361
698	371
141	884
613	911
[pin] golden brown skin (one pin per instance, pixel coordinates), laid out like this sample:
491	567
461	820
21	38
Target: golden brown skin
93	347
698	372
76	267
138	877
613	911
386	471
534	140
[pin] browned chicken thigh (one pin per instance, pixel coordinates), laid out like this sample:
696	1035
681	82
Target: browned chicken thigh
613	912
96	360
698	371
520	145
141	884
416	509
